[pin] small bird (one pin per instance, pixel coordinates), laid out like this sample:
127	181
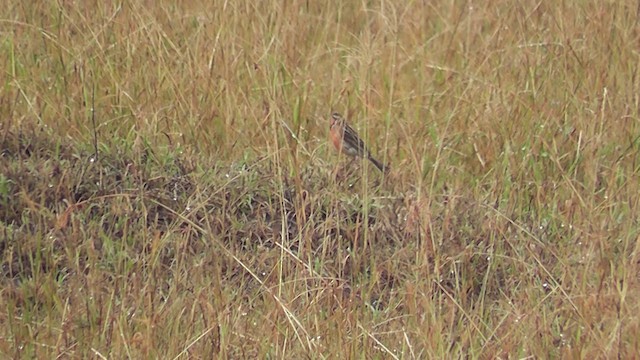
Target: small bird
346	140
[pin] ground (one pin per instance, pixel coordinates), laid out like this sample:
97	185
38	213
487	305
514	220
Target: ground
167	189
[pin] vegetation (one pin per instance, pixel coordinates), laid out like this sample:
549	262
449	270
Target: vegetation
167	189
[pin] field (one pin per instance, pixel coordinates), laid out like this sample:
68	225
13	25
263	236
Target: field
168	190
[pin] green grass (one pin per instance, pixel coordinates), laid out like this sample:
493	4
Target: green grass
167	189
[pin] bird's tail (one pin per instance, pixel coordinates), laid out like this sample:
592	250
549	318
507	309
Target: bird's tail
378	164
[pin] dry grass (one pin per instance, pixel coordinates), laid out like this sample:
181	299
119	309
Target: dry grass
214	219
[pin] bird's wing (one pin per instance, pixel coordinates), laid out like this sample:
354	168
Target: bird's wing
351	137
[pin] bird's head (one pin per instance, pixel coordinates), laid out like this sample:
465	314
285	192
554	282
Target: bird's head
336	118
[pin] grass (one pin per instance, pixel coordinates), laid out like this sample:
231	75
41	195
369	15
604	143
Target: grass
167	191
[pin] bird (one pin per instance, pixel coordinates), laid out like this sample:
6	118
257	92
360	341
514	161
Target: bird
347	141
